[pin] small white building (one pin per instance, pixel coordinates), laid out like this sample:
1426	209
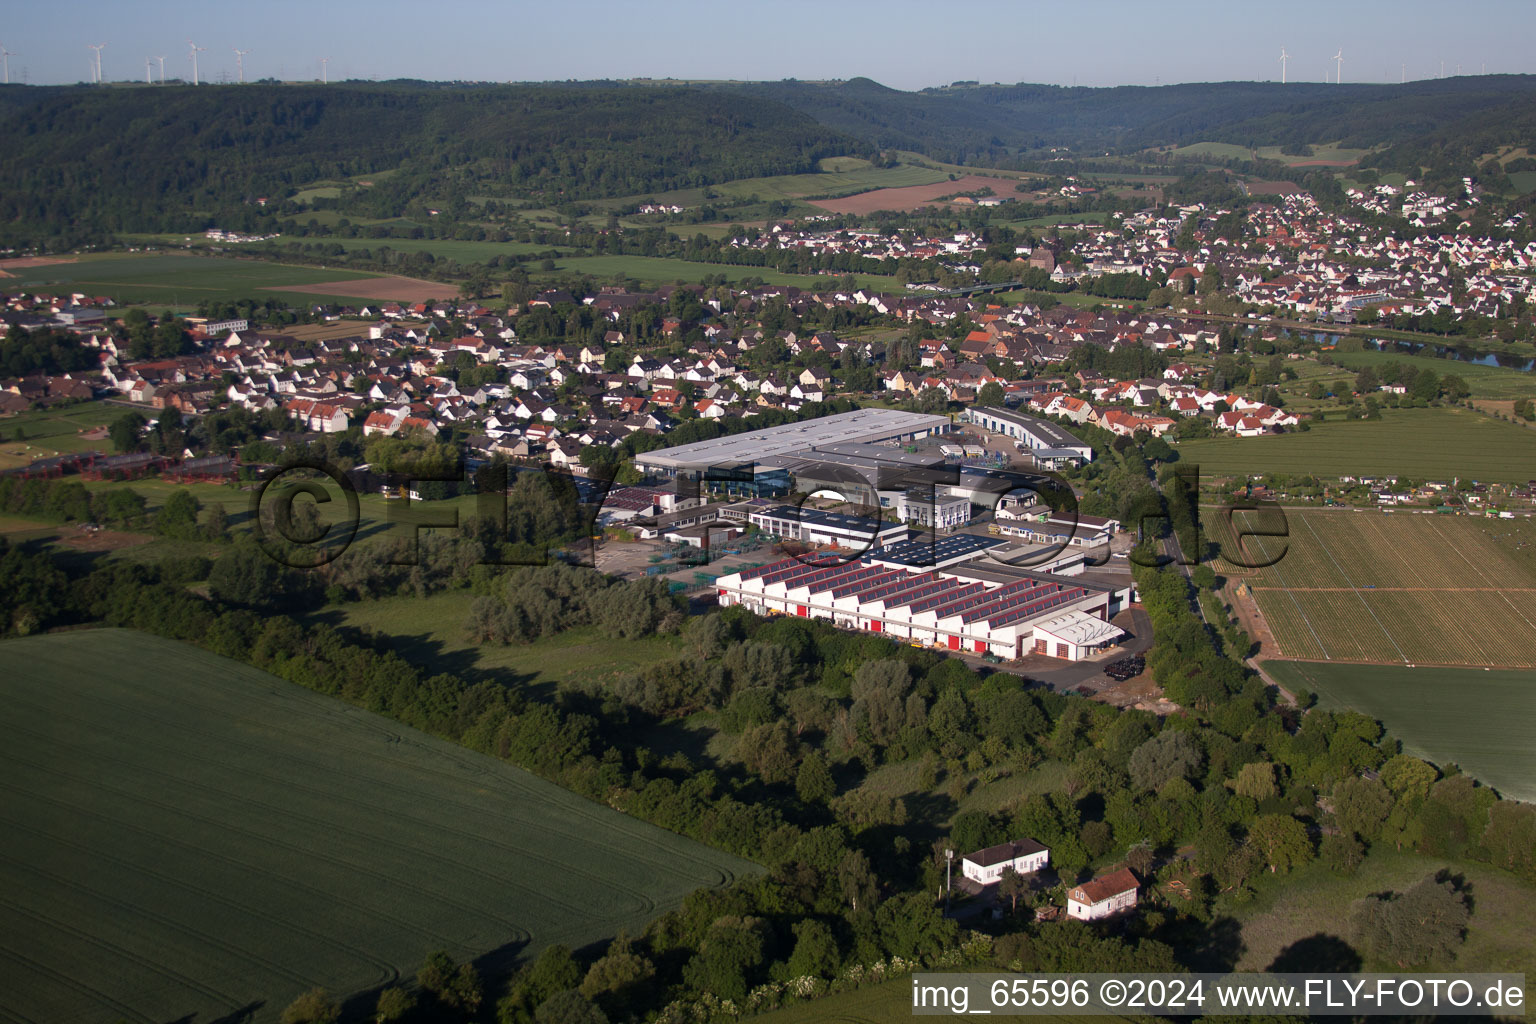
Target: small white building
928	508
1073	636
987	866
1104	896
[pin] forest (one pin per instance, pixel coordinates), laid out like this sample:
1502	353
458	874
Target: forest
981	124
183	159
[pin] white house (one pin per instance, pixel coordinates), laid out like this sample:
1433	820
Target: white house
1103	896
987	866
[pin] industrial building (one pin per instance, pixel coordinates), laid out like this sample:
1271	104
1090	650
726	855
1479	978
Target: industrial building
861	472
812	526
978	606
923	507
861	426
1040	524
1049	444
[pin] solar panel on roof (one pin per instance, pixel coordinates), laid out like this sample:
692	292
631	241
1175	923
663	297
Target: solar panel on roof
1038	607
864	585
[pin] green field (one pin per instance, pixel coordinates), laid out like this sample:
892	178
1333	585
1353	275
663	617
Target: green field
890	1001
431	630
1524	181
50	432
446	248
1482	720
177	279
1228	151
1438	444
1313	900
839	176
188	837
1483	381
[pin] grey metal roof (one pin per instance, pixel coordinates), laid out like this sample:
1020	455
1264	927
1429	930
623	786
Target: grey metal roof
860	425
1045	429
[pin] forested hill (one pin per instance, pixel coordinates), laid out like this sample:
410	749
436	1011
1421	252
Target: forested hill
81	162
135	158
972	123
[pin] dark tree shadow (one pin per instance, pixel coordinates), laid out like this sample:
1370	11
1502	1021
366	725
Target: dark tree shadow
1317	954
1218	947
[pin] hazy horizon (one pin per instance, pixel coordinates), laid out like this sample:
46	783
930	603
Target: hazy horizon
900	43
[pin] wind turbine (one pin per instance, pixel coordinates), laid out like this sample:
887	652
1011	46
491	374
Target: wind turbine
1338	60
195	51
149	70
1404	73
240	62
98	47
5	58
325	78
162	69
1283	58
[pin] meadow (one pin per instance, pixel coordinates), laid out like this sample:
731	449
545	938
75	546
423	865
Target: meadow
1435	444
54	431
189	837
1315	901
1322	154
1395	587
178	279
1481	720
430	631
1482	381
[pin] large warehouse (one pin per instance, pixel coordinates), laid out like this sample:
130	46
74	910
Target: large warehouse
1050	444
982	607
865	426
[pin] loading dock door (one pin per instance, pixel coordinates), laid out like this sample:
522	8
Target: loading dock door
954	643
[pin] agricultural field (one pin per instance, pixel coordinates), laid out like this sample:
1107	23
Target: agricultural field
1323	155
837	176
189	838
180	280
1524	181
1398	588
914	196
444	248
1434	444
1481	720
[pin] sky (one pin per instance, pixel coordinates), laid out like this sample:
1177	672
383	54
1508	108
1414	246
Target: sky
904	44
